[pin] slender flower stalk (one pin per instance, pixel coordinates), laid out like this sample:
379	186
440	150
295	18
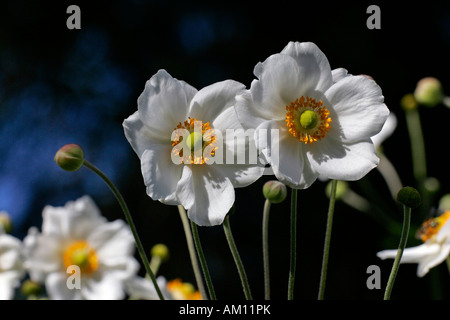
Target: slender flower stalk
237	258
417	144
265	233
192	253
129	219
401	248
293	254
201	256
326	250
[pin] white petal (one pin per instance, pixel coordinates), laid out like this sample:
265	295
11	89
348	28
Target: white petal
411	255
286	155
388	128
249	115
160	174
212	100
75	220
356	108
281	81
56	286
206	194
315	67
164	103
143	288
339	74
139	136
335	160
240	175
112	239
106	287
431	261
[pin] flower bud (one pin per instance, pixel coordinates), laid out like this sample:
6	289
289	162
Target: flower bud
444	202
160	250
429	92
408	102
70	157
274	191
410	197
31	288
341	189
5	222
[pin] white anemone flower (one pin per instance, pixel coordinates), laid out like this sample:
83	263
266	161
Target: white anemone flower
11	264
76	235
205	188
324	119
435	233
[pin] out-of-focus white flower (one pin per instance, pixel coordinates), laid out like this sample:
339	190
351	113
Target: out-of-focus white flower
77	235
324	118
11	264
435	233
143	289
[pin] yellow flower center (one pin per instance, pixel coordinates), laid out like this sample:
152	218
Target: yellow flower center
431	227
80	253
183	290
307	119
201	135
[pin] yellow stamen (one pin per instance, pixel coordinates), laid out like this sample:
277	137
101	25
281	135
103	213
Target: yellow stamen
307	119
80	253
195	140
431	227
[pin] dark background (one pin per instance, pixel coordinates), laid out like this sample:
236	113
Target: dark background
61	86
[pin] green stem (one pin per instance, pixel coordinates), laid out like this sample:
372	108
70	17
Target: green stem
265	235
237	258
203	263
293	254
417	145
448	263
129	219
326	250
401	248
192	253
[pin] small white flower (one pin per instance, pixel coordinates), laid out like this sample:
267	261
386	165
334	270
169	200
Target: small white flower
436	247
205	190
11	265
325	118
77	234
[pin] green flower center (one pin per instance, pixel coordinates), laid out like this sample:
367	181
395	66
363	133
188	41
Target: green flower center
308	119
195	140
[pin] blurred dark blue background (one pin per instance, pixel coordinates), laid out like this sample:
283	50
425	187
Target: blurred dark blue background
61	86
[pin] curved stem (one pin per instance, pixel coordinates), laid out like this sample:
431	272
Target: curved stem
192	253
326	250
237	258
129	219
417	145
265	235
293	254
401	248
201	256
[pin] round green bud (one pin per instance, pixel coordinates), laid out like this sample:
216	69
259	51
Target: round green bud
429	92
408	102
160	250
444	202
409	197
6	222
274	191
341	189
70	157
195	140
308	119
31	288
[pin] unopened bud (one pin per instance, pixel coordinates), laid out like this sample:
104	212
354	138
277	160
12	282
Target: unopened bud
429	92
5	222
444	203
70	157
31	288
410	197
160	250
274	191
408	102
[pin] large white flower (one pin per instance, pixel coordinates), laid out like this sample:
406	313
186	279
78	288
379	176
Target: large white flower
436	247
77	235
11	264
206	190
324	119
